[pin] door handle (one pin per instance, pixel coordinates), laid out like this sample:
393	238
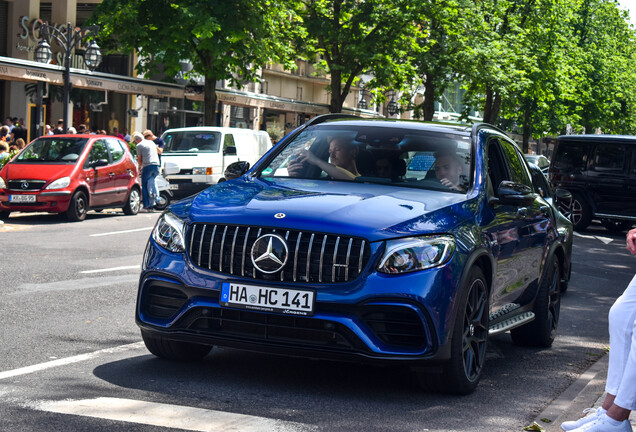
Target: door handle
111	175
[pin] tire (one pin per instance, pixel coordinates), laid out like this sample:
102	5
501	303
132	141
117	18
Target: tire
616	225
163	201
461	374
542	331
580	212
4	215
77	208
133	203
174	350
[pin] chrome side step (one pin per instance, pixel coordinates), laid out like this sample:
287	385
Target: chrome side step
510	323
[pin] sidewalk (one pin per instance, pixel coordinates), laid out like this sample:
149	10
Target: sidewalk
586	392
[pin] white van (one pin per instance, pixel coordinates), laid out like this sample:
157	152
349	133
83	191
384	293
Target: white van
203	153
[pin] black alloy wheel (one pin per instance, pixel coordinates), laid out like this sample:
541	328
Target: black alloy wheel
461	374
580	213
547	309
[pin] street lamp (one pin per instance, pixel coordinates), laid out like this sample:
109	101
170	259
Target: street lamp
392	107
362	103
68	40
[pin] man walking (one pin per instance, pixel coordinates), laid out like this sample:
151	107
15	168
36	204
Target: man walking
148	160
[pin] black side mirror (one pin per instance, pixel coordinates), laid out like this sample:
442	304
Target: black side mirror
517	194
98	163
229	151
236	169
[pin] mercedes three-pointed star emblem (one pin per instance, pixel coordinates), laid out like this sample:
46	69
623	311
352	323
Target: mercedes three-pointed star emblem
269	253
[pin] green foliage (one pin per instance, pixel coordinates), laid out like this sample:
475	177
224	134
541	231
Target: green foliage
224	40
5	160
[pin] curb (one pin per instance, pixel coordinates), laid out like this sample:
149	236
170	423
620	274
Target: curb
583	393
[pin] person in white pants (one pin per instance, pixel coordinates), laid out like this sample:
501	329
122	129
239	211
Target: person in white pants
620	399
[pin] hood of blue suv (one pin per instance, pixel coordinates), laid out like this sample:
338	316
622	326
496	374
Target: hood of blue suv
368	210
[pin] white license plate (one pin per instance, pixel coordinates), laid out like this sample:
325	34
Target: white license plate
22	198
173	187
268	299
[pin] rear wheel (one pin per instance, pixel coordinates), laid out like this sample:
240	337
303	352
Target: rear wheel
133	203
462	373
616	225
77	208
542	331
162	201
174	350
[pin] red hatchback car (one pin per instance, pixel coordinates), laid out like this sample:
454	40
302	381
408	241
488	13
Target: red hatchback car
70	174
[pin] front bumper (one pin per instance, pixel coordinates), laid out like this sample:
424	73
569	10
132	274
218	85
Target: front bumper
45	201
375	317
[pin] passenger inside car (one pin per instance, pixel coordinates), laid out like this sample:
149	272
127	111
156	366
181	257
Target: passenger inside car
341	165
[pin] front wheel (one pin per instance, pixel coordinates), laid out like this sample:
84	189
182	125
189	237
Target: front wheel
77	208
461	374
133	204
547	307
4	215
174	350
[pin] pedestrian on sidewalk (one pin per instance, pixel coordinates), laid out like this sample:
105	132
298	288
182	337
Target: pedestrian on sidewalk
149	162
620	399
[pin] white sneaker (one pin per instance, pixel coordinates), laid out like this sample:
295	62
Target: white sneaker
602	424
590	415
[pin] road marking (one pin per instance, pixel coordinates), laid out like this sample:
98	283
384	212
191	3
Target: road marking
167	416
68	360
606	240
121	232
111	269
76	284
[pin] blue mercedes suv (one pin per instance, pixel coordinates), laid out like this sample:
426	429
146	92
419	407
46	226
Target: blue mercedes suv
364	240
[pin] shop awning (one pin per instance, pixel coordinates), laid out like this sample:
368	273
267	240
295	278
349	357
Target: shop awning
30	71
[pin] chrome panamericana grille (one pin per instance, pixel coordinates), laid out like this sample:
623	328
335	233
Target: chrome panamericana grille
312	256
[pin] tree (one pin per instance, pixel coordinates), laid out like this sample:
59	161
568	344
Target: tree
224	40
352	37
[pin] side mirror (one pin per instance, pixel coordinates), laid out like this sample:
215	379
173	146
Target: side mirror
98	163
236	169
170	168
516	194
229	151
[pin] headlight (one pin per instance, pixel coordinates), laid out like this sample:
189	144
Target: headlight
168	233
3	185
202	171
59	183
416	253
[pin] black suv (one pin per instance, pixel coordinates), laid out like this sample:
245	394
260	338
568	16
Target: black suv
600	172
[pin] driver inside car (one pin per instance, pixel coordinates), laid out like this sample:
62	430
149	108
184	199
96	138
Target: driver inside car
448	170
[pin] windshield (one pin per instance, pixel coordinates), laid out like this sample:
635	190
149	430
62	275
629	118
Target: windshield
53	150
377	154
191	141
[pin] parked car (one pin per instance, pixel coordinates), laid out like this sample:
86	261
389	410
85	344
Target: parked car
417	266
203	153
70	175
600	173
539	160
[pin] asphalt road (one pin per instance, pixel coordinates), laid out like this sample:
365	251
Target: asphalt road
71	357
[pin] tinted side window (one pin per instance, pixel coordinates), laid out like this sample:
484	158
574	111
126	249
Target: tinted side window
518	171
98	151
609	158
571	155
116	150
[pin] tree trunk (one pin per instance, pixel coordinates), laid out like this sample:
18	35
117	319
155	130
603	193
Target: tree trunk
209	102
488	104
428	106
526	130
336	92
492	106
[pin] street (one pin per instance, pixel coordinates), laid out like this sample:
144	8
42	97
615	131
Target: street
72	359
